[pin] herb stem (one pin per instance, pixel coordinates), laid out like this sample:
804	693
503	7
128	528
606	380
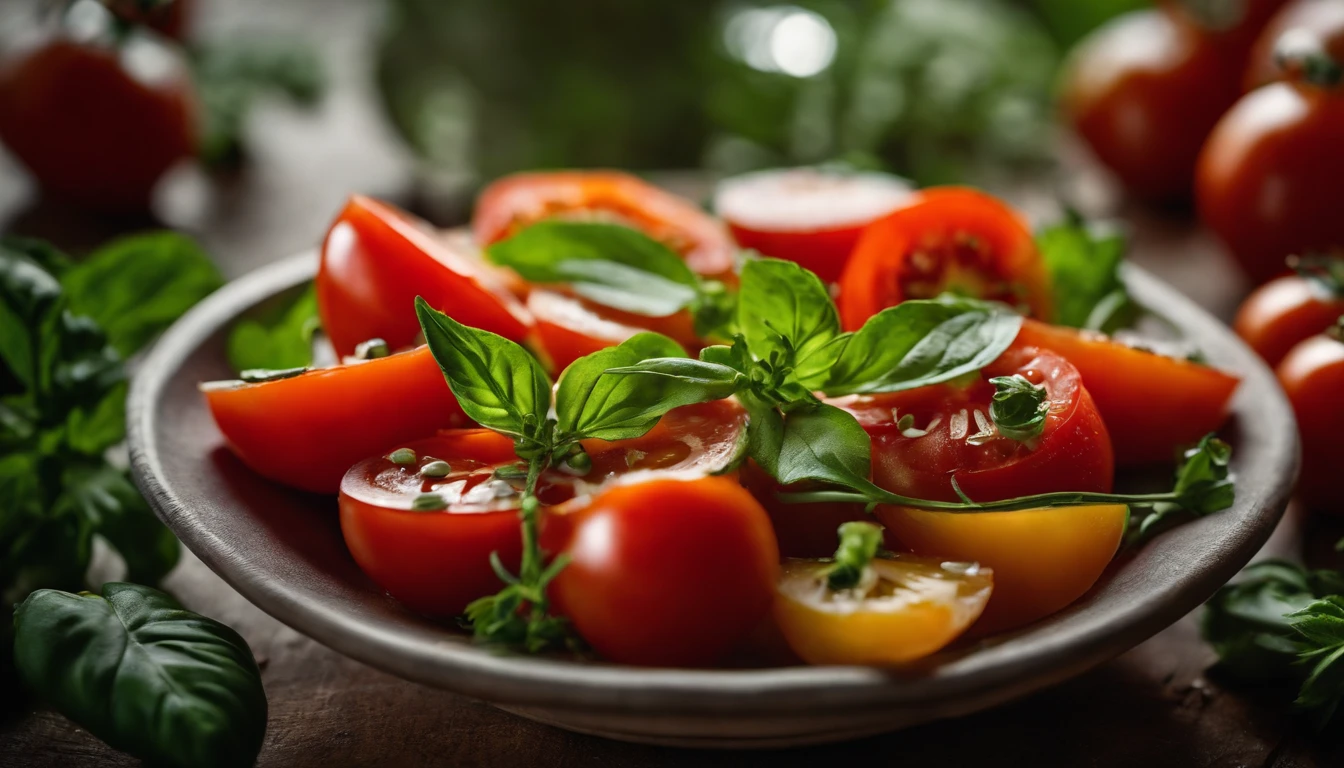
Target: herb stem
1061	499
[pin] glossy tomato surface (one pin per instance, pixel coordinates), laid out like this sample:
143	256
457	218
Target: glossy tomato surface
670	573
1313	377
1285	312
1153	405
99	125
947	239
568	327
1144	91
1310	23
516	201
811	216
306	431
376	259
1269	176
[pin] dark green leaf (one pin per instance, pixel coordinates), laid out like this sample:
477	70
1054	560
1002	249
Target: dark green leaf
499	385
135	287
30	299
785	312
765	432
144	675
1246	622
1321	624
1084	265
91	431
917	343
1204	485
281	338
824	444
1018	408
109	504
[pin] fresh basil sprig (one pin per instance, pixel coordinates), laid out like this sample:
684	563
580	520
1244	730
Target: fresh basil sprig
1083	260
1018	407
144	675
618	267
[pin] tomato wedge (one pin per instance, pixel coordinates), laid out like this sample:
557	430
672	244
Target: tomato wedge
516	201
911	608
947	239
306	431
569	327
437	561
812	216
376	259
1153	405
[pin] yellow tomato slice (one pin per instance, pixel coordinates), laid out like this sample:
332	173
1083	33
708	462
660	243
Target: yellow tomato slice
1043	559
906	608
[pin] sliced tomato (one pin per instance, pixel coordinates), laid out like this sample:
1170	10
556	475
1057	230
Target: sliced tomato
307	430
376	259
947	239
909	608
1043	559
812	216
1153	405
569	327
437	561
516	201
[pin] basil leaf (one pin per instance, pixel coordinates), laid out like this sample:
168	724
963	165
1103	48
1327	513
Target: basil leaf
765	432
613	265
1204	485
917	343
785	312
589	402
824	444
109	504
1084	265
30	298
1246	621
498	384
135	287
654	387
144	675
276	339
1321	626
92	430
1018	408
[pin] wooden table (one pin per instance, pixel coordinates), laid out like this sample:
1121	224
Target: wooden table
1156	706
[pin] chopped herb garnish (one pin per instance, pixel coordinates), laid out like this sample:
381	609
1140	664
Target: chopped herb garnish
402	456
429	502
436	469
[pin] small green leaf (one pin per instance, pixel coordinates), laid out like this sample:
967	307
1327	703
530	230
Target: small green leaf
824	444
784	311
859	542
30	298
765	432
1246	621
918	343
1018	408
281	337
498	384
144	675
1084	265
106	501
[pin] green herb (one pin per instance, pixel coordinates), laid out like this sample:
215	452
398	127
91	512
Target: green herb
788	319
429	502
1084	262
618	267
1018	408
402	456
276	336
143	674
436	469
859	543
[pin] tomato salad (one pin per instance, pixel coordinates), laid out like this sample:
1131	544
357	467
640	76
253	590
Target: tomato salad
623	433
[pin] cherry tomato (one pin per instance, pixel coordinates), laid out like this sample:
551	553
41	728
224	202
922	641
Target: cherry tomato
811	216
946	239
376	259
1153	405
569	327
1318	23
668	573
1144	91
803	530
912	608
306	431
1232	26
1043	559
516	201
99	125
1313	376
437	561
1284	312
1269	175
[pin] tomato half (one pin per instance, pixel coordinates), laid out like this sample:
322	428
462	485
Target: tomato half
1285	312
946	239
306	431
1313	376
514	202
1311	23
912	608
811	216
1153	405
569	327
376	259
669	573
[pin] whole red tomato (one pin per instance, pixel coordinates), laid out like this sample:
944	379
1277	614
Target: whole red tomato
98	125
667	573
1291	309
1301	26
1313	376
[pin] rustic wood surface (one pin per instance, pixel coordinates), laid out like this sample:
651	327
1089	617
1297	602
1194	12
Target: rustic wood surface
1158	705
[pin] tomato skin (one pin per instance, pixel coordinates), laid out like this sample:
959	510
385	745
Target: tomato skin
1144	91
89	130
306	431
1284	312
885	268
1152	405
1320	20
376	259
1269	175
1043	559
802	530
668	573
1313	377
568	327
825	252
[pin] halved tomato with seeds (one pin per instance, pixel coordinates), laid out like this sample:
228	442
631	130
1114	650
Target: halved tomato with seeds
950	239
